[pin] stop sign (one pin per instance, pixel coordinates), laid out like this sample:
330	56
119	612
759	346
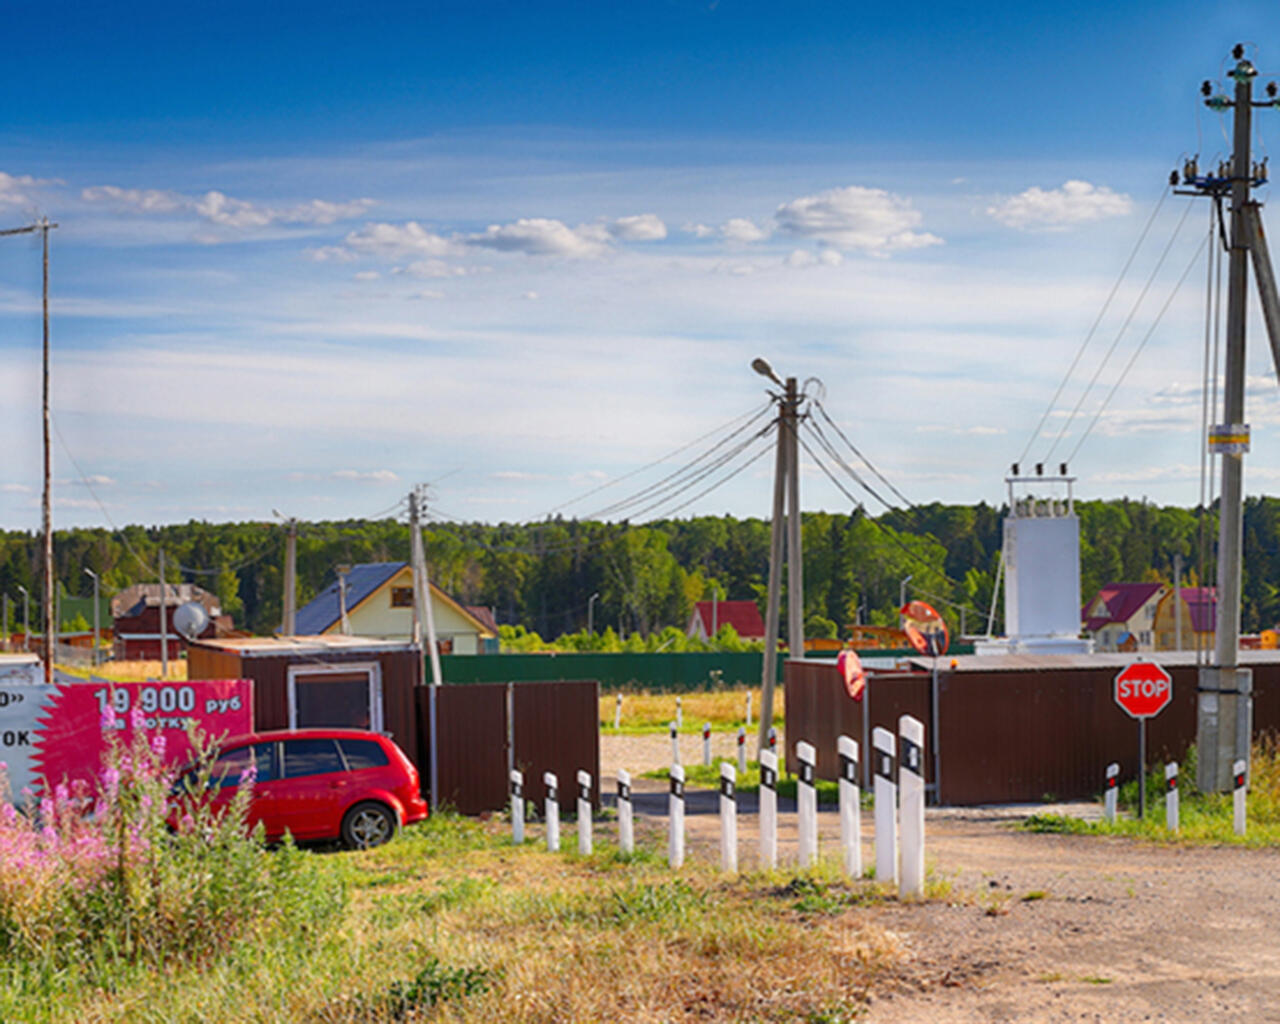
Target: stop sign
1143	689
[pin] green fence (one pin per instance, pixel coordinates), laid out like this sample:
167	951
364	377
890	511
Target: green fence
632	671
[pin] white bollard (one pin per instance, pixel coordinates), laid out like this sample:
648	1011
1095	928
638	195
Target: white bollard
728	818
584	813
675	743
626	829
553	810
617	713
911	813
807	804
768	809
706	743
1239	795
742	750
675	818
1113	784
886	809
850	809
1171	796
748	709
517	806
679	712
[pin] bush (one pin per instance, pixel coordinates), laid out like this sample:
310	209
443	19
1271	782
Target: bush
130	874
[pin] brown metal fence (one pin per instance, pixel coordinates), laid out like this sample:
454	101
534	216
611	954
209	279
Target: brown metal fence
484	729
1004	736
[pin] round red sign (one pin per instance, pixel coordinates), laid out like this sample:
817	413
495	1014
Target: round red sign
1143	689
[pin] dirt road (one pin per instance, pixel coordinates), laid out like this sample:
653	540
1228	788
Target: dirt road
1048	927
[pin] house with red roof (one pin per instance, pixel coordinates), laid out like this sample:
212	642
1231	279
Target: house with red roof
1122	616
709	617
1199	613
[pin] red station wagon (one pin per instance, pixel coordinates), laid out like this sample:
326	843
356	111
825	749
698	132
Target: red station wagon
322	784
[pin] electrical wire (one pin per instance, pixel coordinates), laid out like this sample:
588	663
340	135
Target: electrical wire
1142	237
821	438
1119	334
1137	351
865	461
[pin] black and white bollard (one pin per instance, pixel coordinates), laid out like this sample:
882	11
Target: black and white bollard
517	806
626	828
706	743
584	813
675	818
675	743
617	713
1171	796
768	809
679	712
886	806
850	810
728	818
1239	795
553	810
1113	788
911	806
807	804
742	750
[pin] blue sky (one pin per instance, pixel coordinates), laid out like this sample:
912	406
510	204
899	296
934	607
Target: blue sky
311	255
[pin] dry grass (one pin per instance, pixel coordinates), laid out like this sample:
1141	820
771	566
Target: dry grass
452	923
648	712
133	671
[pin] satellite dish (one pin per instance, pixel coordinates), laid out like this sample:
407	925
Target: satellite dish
190	619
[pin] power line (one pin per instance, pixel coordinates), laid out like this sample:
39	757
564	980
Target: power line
865	461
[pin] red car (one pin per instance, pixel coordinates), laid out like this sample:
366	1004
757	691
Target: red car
316	784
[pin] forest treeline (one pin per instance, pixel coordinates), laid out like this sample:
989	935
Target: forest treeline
541	575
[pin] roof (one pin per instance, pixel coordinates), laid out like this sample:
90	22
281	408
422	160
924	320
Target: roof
1049	662
1121	602
363	581
484	616
276	646
743	616
133	599
1202	603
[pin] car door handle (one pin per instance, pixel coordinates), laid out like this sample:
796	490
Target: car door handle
337	784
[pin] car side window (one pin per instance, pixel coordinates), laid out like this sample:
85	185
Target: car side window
311	757
229	766
264	755
363	754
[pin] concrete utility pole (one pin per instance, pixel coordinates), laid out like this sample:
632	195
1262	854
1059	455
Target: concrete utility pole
26	617
1224	725
1177	602
289	625
423	616
97	615
164	622
785	527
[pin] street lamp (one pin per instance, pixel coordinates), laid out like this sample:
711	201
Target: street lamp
762	367
26	618
591	629
96	614
902	590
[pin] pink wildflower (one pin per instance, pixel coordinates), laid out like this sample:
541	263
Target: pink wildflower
250	774
137	719
158	743
108	720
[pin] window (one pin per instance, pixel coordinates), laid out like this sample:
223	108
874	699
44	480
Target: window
402	597
363	754
311	757
231	765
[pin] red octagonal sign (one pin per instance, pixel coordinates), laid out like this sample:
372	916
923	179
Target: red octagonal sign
1143	689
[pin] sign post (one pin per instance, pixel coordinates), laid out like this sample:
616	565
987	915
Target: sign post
1143	690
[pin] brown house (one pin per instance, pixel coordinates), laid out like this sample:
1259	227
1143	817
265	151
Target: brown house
135	612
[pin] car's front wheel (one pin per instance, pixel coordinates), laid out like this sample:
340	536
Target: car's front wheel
367	825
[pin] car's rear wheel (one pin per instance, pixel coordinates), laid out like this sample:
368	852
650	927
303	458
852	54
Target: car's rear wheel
367	825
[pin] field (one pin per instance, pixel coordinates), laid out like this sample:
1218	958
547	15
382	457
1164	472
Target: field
654	712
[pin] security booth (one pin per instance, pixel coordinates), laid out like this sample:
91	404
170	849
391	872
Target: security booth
304	682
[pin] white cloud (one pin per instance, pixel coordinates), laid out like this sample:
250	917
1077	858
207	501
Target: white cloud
374	476
224	210
1076	202
427	293
14	489
432	269
95	480
744	231
330	254
801	258
516	474
392	240
869	219
698	230
13	188
366	275
531	296
540	236
643	227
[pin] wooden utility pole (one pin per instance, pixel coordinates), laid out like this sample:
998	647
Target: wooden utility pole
43	226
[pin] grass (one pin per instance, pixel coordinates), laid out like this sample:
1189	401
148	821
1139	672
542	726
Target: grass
130	671
654	712
451	922
708	776
1204	818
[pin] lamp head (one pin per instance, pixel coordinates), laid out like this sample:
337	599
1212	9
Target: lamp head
762	367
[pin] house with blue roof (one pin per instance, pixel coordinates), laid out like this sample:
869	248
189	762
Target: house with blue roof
379	603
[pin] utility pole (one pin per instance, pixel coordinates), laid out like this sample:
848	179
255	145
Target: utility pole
423	616
1177	602
784	532
164	622
345	626
97	615
6	620
289	625
26	617
43	226
1224	725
